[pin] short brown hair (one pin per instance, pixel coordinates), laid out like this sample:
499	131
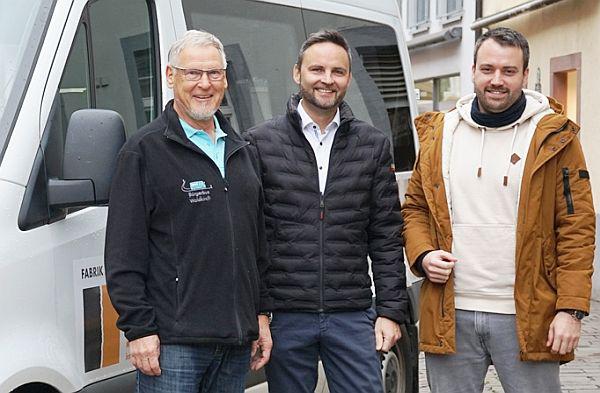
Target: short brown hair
505	37
321	36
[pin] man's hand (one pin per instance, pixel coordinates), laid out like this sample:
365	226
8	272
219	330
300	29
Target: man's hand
143	353
564	333
387	332
438	266
261	348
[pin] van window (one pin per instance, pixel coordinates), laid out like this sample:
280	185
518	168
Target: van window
124	61
262	43
379	94
111	65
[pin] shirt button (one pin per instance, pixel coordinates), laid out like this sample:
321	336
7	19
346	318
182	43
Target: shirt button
321	143
320	167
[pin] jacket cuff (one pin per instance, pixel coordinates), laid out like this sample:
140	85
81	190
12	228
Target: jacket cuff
266	305
418	265
135	333
573	303
398	316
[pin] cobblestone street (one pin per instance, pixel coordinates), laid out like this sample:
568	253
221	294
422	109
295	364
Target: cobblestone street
579	376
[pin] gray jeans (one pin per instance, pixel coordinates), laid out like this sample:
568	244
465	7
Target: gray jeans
483	339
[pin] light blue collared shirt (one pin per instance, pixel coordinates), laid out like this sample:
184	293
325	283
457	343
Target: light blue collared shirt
200	138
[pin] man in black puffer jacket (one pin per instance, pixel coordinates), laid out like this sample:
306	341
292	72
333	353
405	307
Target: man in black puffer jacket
331	200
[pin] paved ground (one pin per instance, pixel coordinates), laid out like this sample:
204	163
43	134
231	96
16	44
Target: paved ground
579	376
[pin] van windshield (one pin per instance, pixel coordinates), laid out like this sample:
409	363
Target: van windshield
22	24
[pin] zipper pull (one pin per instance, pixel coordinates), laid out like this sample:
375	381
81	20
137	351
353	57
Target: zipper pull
322	208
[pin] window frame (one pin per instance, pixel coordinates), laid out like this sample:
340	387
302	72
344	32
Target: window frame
446	16
436	89
414	25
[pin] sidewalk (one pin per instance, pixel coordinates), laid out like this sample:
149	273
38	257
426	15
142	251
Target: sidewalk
579	376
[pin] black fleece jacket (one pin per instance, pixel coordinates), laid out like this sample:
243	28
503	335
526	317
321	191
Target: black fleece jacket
318	244
185	248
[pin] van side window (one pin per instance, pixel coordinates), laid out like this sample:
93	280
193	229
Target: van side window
124	60
262	43
112	65
378	94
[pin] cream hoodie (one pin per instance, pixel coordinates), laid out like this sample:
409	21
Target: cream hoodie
482	169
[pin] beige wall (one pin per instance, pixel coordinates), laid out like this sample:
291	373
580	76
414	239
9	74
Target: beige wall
566	27
491	7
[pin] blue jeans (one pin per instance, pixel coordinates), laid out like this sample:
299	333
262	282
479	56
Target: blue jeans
482	339
345	342
198	368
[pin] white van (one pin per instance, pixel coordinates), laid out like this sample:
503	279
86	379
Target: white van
57	326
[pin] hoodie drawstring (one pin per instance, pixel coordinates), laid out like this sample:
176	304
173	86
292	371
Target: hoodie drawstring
482	129
512	153
512	158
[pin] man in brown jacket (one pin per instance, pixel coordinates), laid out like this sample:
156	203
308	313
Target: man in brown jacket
499	219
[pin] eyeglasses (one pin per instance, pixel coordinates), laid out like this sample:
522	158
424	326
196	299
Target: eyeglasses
194	75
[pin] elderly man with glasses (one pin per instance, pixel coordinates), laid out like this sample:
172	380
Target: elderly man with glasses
185	277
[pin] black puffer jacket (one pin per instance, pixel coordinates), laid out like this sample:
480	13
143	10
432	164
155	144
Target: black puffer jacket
319	243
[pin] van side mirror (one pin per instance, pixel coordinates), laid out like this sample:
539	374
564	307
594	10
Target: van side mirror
94	138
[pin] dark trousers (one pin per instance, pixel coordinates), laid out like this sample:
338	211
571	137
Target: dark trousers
344	341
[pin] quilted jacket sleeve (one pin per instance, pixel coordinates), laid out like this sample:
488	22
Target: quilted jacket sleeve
385	240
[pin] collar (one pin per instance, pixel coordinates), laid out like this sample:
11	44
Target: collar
496	120
191	131
307	120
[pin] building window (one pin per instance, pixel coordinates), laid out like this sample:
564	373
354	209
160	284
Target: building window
438	94
449	9
566	83
418	14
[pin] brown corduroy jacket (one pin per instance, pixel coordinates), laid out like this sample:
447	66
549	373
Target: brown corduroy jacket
555	234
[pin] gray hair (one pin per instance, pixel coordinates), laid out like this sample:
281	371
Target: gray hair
505	37
196	38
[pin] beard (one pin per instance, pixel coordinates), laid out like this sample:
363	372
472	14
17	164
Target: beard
487	105
320	103
202	114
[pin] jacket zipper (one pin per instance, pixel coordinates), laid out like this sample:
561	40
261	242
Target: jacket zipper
442	302
567	191
233	253
321	252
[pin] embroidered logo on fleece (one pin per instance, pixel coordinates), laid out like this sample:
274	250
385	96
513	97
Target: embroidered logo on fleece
197	191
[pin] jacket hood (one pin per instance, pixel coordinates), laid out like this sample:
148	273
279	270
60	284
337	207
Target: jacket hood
536	103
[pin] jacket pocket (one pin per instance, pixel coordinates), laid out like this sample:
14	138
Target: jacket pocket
549	262
567	191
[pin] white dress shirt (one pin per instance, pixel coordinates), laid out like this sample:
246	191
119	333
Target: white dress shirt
320	141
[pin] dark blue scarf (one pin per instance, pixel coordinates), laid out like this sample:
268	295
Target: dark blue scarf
495	120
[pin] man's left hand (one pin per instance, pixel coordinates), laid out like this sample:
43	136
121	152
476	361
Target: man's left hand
564	333
387	332
261	348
